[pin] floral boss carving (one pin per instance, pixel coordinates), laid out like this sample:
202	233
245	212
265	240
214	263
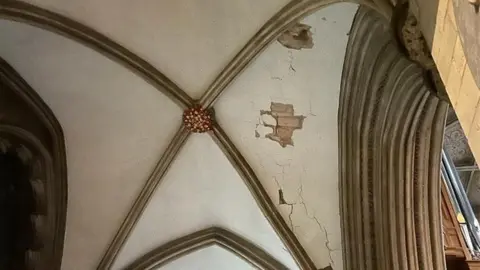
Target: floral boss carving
286	122
197	119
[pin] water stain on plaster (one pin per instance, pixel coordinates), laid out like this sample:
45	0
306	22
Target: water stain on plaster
282	120
298	37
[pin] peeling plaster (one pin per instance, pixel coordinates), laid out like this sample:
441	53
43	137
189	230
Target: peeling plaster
303	180
281	199
298	37
290	62
282	120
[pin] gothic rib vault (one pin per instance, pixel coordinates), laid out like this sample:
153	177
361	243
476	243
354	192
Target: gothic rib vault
290	200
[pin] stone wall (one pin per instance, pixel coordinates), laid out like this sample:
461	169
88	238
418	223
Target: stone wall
438	23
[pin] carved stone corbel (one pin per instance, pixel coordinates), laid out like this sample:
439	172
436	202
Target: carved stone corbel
412	43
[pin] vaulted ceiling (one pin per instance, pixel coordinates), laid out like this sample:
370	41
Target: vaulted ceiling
138	180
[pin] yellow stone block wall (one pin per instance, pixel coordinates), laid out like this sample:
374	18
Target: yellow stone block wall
440	29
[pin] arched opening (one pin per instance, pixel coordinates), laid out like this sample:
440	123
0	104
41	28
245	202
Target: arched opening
16	207
33	193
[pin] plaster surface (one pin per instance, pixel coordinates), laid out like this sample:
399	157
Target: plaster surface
116	126
201	190
189	41
211	258
301	179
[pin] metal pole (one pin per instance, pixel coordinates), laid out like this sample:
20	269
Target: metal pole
463	203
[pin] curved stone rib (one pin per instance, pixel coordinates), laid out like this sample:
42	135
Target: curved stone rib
435	187
261	197
409	184
185	245
344	190
143	198
429	140
271	30
20	11
391	130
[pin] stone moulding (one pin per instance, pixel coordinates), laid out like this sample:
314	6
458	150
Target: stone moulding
27	122
286	18
20	11
391	135
262	198
183	246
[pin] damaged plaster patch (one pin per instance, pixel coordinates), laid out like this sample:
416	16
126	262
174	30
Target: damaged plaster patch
281	199
298	37
281	119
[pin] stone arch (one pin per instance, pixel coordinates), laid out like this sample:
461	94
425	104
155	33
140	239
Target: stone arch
29	130
202	239
391	135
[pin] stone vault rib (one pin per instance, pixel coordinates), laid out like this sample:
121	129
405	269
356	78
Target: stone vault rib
143	198
202	239
264	202
20	11
273	28
391	132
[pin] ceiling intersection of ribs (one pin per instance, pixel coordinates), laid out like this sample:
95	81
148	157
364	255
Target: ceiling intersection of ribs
197	118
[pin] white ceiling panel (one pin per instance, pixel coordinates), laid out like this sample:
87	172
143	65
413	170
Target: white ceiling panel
116	127
201	190
190	41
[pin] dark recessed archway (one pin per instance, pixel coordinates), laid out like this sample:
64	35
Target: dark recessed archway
33	179
16	206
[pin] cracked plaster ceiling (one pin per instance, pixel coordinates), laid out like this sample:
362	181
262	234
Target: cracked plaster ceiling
117	126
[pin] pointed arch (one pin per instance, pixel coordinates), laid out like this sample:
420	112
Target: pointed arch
391	133
185	245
